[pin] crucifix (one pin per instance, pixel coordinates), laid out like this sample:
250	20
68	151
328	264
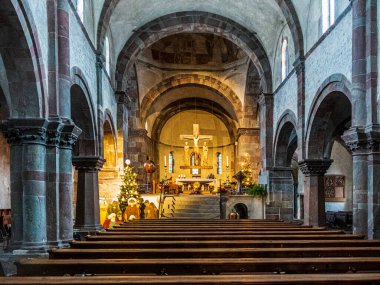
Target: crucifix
196	137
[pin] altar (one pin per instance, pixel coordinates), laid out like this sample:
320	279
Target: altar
195	184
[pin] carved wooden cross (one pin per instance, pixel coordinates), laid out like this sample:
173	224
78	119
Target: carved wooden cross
196	137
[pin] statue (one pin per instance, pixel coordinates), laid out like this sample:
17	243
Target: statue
205	154
187	155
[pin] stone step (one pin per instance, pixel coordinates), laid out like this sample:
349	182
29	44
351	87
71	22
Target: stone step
192	207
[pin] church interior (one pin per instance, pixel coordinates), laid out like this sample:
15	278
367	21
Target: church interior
189	142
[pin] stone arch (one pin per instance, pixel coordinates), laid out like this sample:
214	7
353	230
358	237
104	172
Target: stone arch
202	104
110	141
253	91
285	142
85	119
242	210
190	79
193	21
286	7
21	53
329	116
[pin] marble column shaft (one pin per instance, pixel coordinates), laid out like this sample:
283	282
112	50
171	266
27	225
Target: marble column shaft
28	182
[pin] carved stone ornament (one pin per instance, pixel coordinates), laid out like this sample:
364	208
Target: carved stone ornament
88	163
373	138
69	135
311	167
355	139
21	131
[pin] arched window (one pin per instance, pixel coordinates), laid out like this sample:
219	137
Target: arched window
80	9
284	58
107	54
171	162
219	164
328	14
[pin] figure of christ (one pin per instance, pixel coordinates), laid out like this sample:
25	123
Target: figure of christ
195	137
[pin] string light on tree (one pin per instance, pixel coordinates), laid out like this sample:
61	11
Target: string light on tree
129	188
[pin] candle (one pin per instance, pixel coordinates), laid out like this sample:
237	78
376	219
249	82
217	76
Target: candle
227	161
165	160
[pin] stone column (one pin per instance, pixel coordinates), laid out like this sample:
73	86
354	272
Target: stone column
64	78
69	135
266	129
299	66
27	138
281	184
314	195
52	184
138	151
356	141
248	144
87	209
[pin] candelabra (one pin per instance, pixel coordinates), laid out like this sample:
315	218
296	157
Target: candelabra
228	173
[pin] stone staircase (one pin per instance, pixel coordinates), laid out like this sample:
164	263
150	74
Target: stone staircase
192	207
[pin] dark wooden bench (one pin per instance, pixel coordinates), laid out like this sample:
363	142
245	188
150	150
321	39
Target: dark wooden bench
221	232
225	243
65	253
184	266
246	279
211	237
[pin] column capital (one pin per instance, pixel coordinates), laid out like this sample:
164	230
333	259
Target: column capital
88	163
362	140
265	99
123	99
373	138
314	167
22	131
248	132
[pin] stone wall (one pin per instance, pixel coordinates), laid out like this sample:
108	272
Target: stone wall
342	165
333	55
285	98
255	205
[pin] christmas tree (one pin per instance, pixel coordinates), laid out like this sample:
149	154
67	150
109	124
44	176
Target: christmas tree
129	189
247	171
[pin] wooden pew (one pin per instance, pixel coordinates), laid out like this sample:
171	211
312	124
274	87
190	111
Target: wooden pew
184	266
211	237
246	279
220	232
225	244
66	253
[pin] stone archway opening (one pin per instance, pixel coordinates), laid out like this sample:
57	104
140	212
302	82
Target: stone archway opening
284	176
324	180
242	210
87	163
